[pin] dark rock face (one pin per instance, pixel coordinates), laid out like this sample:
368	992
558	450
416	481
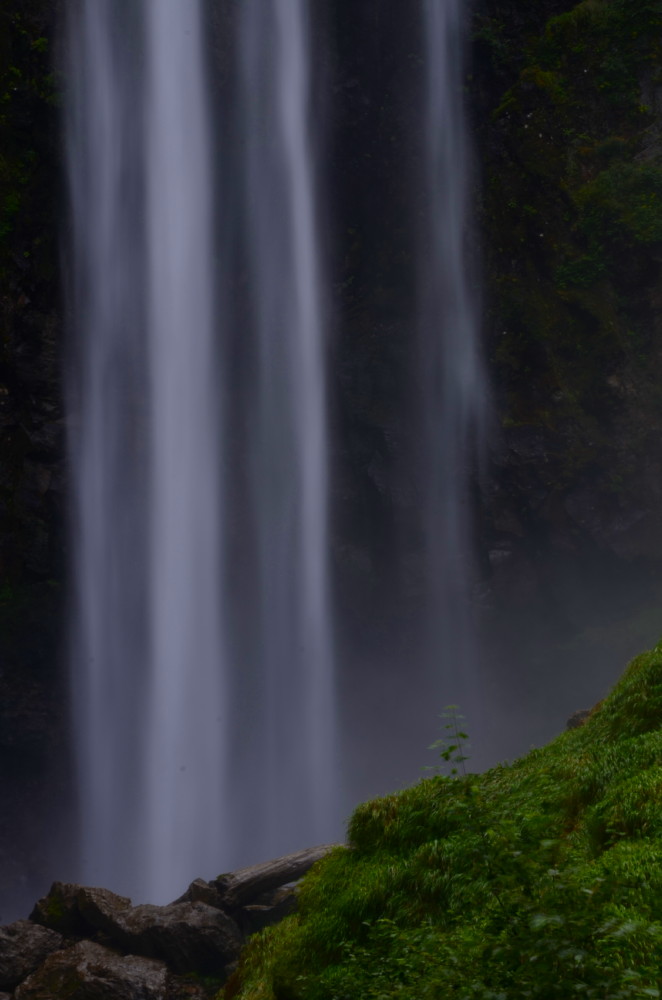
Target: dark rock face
33	752
23	947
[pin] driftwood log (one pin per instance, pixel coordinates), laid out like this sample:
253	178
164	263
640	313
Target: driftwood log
245	885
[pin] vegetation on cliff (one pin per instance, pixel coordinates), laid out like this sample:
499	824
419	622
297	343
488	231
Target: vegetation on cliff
569	99
539	879
574	176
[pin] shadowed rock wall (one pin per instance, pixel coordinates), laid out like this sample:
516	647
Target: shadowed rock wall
32	714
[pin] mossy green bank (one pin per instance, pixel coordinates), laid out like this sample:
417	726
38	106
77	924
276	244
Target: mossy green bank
539	879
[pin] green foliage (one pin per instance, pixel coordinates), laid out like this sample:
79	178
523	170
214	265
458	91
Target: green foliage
623	201
573	170
452	745
538	880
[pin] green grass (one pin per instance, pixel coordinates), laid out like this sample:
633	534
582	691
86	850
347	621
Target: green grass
542	879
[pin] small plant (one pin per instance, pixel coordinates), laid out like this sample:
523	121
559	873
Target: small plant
452	745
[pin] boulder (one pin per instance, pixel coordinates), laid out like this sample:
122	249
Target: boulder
102	909
202	932
266	909
89	971
23	947
190	936
200	891
59	911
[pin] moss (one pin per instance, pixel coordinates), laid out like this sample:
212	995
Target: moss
539	879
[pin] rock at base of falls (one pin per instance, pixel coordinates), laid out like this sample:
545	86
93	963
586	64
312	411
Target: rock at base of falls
99	945
23	948
191	937
91	970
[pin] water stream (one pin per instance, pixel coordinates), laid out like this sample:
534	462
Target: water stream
296	770
450	369
159	749
204	682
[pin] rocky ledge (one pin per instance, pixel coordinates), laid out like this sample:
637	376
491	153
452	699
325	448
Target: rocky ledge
86	943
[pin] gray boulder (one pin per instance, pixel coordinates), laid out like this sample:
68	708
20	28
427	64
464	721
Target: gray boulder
102	910
189	936
200	891
23	947
59	911
88	971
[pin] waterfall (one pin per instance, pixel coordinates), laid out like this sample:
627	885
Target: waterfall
288	447
147	639
168	788
202	637
109	634
185	752
450	368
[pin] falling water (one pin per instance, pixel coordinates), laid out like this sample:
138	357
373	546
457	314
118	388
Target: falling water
450	371
163	728
147	640
202	639
288	493
184	759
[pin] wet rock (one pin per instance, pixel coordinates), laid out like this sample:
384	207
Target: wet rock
190	936
202	933
266	909
59	911
101	908
200	891
89	971
23	947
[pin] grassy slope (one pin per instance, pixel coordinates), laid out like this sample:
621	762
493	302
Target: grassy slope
541	879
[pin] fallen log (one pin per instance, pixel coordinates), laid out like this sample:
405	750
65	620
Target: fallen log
246	884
